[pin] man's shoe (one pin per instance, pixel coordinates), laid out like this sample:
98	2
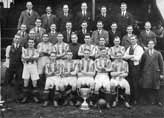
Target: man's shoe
114	104
107	106
71	103
127	105
159	104
55	104
78	103
45	104
24	100
36	100
65	103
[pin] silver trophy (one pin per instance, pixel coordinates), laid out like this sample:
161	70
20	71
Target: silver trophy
84	93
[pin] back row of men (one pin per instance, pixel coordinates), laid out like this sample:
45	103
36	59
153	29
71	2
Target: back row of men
140	69
29	16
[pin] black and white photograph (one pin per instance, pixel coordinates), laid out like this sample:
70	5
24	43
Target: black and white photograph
82	59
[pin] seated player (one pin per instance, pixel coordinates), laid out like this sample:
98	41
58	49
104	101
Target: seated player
44	48
30	57
86	72
87	45
119	85
53	80
69	79
102	81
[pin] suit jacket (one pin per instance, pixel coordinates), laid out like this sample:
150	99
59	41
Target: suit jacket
38	35
144	38
53	37
62	21
46	22
107	20
124	21
24	38
67	39
81	36
151	69
112	36
96	36
80	18
126	41
29	21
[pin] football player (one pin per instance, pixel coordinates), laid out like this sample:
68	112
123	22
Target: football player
69	79
53	80
44	48
102	81
119	85
29	58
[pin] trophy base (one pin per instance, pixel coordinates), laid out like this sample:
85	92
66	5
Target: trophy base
85	108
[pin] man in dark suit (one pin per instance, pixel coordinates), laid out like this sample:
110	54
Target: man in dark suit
53	34
67	33
83	15
39	31
105	17
14	65
126	42
100	33
82	32
152	72
23	35
113	33
147	35
124	18
64	17
28	17
48	19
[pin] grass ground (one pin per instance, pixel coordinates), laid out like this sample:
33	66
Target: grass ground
33	110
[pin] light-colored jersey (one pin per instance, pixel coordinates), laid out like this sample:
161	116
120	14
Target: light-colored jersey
29	53
86	65
61	48
113	51
93	49
120	66
102	64
99	49
52	67
44	47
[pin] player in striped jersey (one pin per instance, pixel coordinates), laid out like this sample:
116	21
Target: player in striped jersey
87	46
116	48
44	48
119	85
69	79
102	80
53	80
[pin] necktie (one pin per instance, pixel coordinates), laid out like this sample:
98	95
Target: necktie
68	36
37	29
131	51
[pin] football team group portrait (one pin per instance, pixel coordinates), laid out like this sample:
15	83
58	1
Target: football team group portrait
93	58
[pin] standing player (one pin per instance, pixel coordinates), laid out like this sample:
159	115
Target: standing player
60	47
52	70
102	82
86	72
101	47
119	85
44	48
69	79
87	46
116	48
29	57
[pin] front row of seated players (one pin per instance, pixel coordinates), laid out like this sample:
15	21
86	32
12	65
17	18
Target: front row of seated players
65	78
